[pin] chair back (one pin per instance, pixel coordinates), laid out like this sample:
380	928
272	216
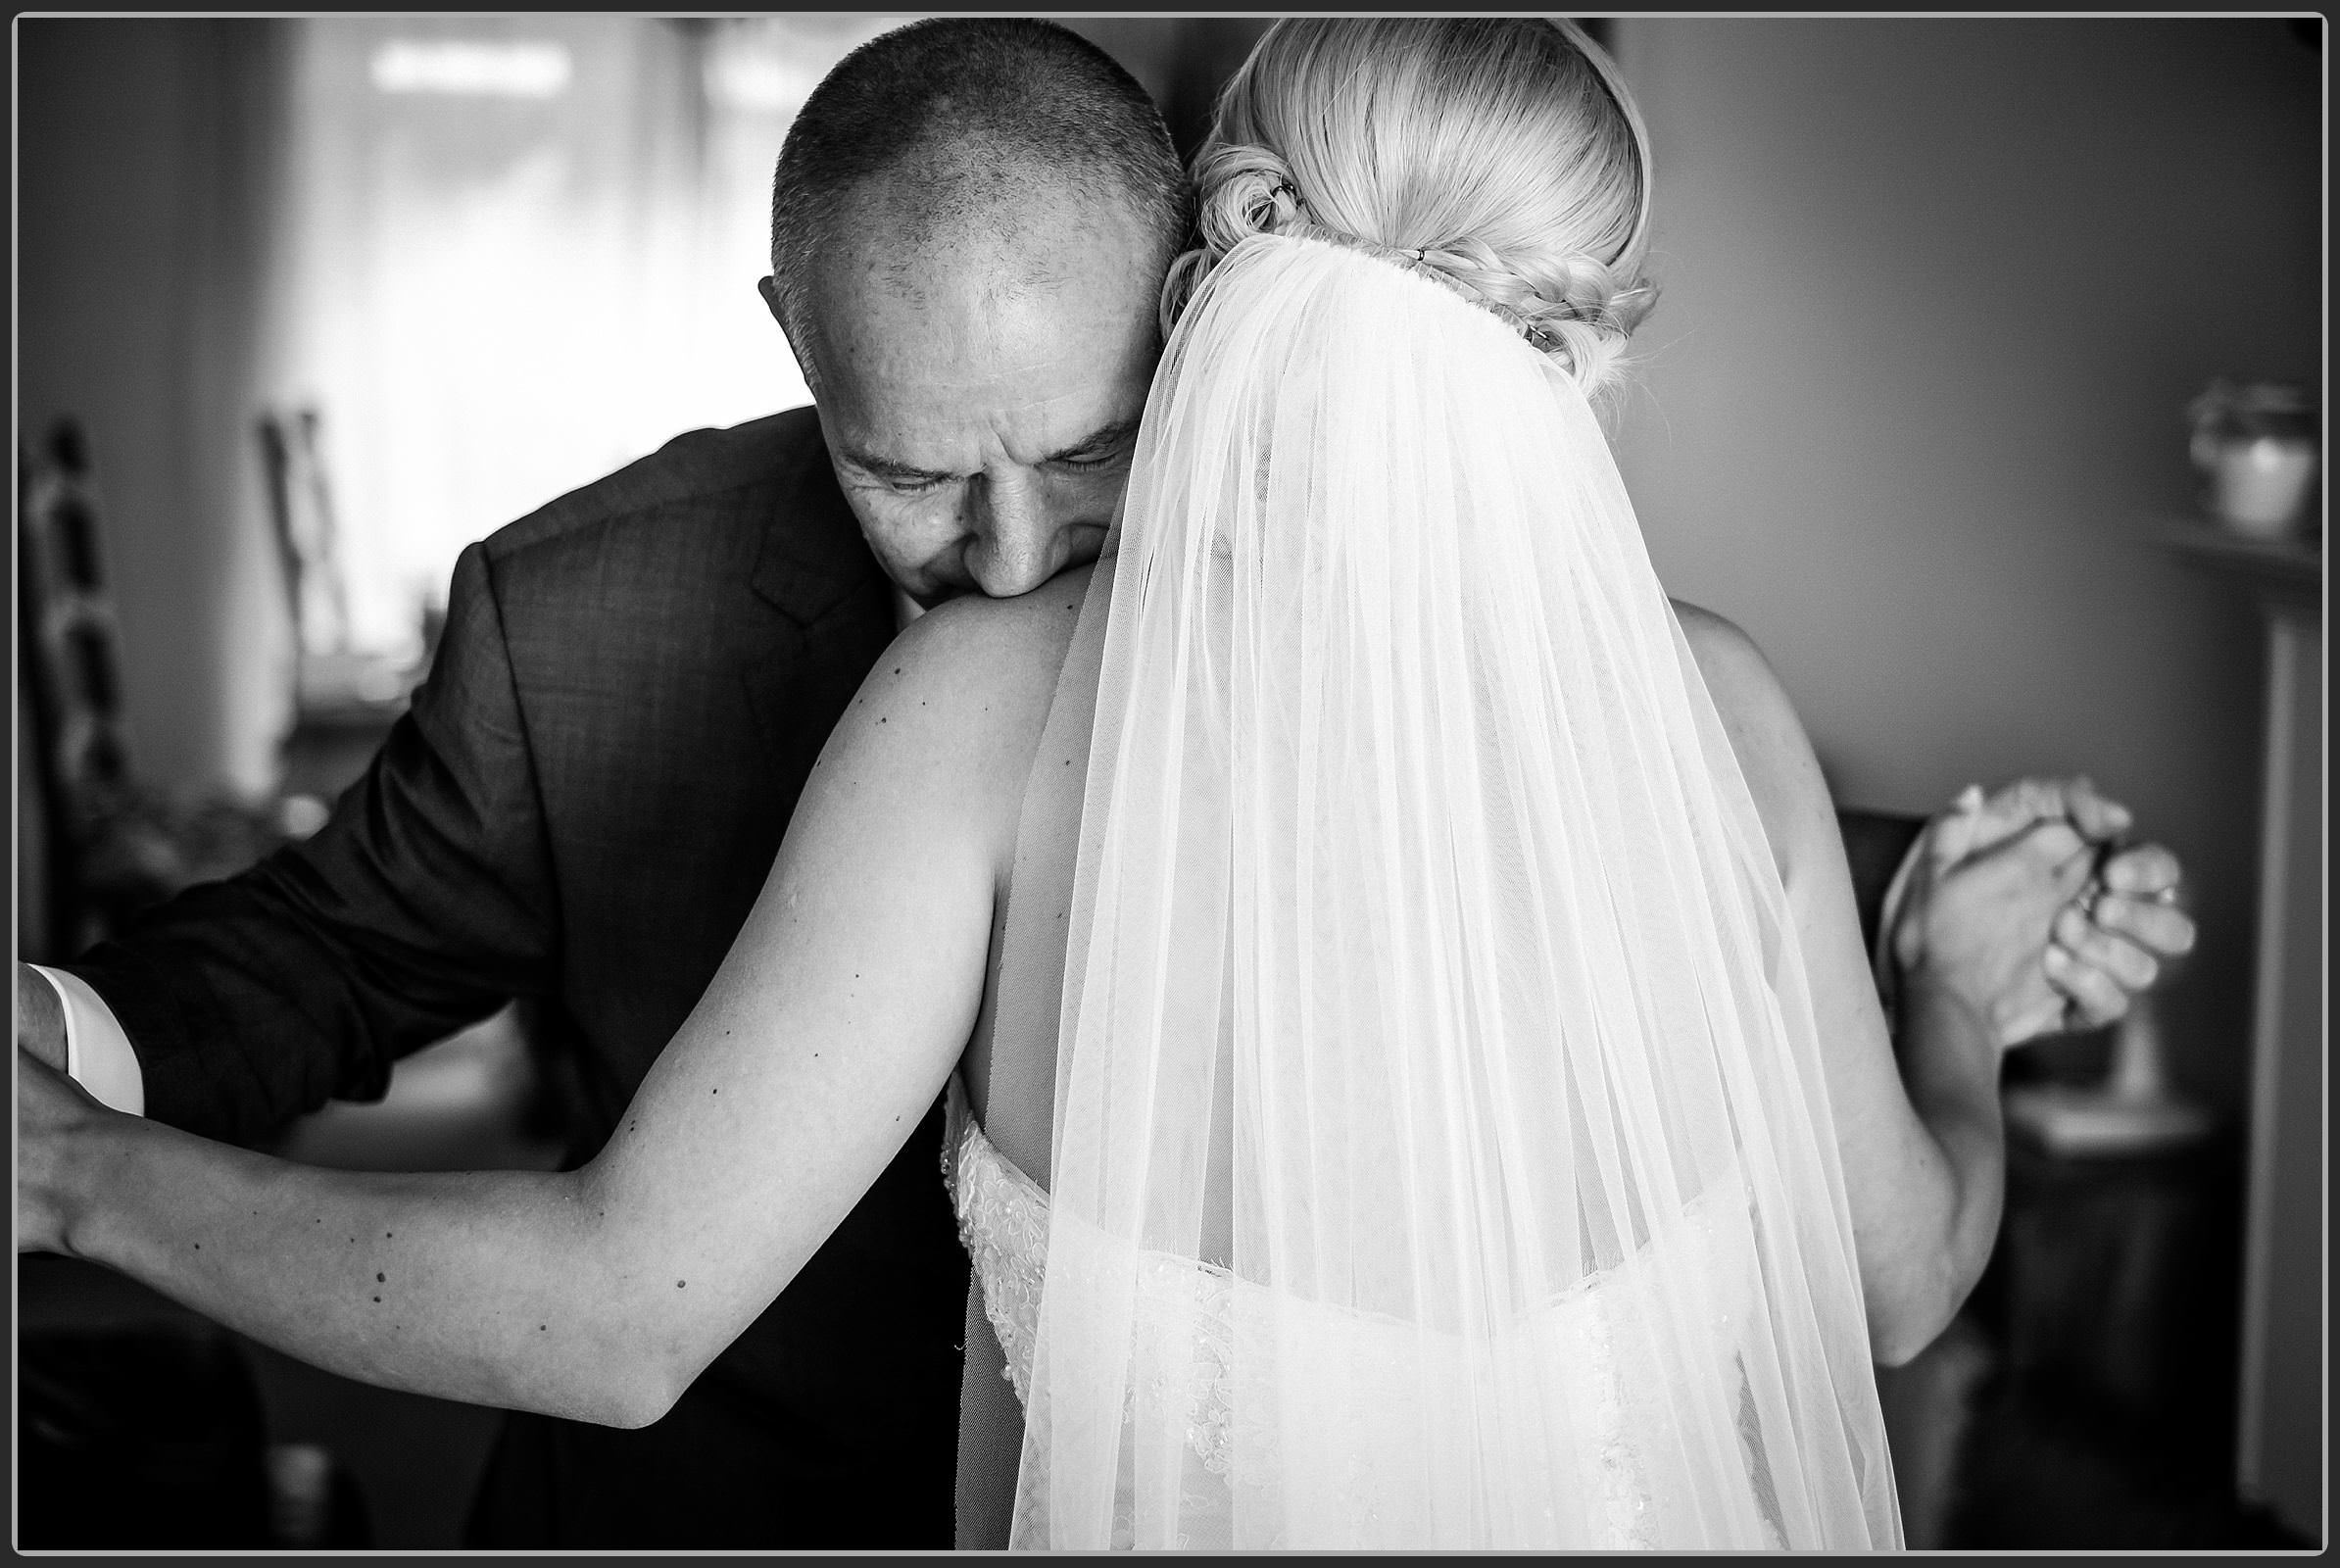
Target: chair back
1874	844
68	640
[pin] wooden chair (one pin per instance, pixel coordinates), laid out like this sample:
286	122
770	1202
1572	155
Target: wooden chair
72	680
1874	844
116	843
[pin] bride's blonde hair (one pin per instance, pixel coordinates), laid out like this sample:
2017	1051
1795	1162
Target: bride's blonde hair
1501	155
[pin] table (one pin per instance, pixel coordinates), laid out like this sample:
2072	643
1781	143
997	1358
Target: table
2083	1400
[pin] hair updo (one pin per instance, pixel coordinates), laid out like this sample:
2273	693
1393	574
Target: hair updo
1500	155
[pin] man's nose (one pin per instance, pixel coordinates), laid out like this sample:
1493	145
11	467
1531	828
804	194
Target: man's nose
1013	543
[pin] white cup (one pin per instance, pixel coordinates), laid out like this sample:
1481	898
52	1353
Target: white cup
2260	486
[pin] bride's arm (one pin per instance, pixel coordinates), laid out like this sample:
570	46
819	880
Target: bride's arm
600	1293
1919	1138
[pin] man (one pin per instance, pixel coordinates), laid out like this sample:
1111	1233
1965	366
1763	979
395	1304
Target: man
971	220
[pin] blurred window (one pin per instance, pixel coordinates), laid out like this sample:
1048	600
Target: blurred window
521	252
519	69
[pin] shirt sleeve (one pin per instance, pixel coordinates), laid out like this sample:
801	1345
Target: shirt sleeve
97	1053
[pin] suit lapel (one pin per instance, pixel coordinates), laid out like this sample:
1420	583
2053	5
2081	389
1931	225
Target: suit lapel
813	557
825	610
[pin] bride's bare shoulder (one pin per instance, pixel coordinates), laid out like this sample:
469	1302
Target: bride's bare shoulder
965	688
1774	752
980	643
1727	656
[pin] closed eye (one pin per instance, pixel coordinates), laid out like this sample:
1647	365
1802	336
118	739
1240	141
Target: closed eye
907	481
1102	450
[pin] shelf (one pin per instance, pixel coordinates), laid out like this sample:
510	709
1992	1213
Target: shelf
2290	571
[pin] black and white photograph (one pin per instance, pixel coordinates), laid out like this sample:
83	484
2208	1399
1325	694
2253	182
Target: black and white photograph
1198	783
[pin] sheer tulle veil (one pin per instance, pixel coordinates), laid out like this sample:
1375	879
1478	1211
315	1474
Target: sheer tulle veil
1418	887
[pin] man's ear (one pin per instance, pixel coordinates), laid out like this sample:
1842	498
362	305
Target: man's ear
771	302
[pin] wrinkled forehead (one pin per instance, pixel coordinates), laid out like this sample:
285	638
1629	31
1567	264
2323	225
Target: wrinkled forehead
1046	299
897	239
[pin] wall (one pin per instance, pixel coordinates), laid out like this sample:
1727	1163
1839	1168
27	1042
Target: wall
143	251
1181	62
1935	294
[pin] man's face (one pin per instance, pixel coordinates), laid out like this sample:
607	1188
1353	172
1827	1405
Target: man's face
981	399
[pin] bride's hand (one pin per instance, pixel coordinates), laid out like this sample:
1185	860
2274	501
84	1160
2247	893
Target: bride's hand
52	1113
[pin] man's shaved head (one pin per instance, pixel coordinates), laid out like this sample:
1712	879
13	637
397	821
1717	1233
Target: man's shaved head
959	131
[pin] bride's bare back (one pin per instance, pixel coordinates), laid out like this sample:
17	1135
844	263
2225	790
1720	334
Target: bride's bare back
1010	1065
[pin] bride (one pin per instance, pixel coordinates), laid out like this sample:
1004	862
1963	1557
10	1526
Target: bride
1416	1079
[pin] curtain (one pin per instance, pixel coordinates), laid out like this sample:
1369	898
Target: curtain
520	252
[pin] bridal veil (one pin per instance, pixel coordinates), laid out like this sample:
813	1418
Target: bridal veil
1417	880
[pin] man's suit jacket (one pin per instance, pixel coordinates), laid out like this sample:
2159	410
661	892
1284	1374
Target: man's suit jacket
580	809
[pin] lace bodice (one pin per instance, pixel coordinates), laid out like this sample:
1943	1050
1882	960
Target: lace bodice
1191	1317
1004	1224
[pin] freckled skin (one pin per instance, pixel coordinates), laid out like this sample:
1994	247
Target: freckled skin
928	809
981	359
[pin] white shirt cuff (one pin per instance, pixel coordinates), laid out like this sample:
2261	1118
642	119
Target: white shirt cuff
97	1053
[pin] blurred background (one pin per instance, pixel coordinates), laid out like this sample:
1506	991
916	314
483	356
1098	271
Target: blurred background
304	306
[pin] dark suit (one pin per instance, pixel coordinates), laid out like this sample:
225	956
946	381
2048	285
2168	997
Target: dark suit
633	684
580	809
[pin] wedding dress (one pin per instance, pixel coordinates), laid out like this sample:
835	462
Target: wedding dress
1439	1155
1189	1314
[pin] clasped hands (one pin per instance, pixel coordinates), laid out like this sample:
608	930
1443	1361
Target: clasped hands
2028	903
